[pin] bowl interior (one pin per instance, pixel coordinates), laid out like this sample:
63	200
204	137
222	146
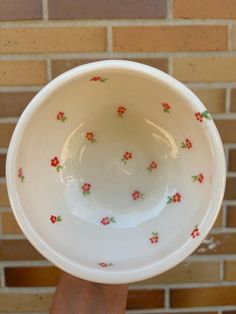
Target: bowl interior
115	169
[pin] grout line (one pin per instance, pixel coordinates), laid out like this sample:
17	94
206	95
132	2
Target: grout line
115	22
45	9
49	70
20	88
227	100
169	9
221	270
170	66
2	277
123	54
109	39
167	298
229	35
224	216
8	120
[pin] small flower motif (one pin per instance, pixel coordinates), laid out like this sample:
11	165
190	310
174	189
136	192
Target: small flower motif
199	178
154	238
61	116
90	137
174	199
152	166
186	144
202	115
86	188
56	163
126	156
20	175
120	111
97	78
136	195
103	264
55	219
107	220
195	233
166	107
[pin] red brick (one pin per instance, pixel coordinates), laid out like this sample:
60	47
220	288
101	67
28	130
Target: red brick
12	104
11	10
145	299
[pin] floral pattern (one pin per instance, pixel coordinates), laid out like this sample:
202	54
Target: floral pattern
107	220
154	238
20	175
90	137
61	116
186	144
126	157
137	195
98	79
199	178
166	107
55	219
195	233
121	111
174	199
86	188
152	166
202	115
103	264
56	163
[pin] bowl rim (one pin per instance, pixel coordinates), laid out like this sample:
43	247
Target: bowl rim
100	275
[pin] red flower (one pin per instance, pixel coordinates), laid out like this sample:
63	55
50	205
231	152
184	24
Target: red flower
176	198
96	78
61	116
195	233
20	173
121	110
137	195
199	116
152	166
127	155
188	143
200	178
90	137
86	188
55	162
166	107
53	219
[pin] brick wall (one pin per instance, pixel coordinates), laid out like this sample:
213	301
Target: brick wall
193	40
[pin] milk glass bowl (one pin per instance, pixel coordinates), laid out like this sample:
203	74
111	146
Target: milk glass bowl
115	171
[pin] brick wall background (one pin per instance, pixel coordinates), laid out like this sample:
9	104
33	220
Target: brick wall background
193	40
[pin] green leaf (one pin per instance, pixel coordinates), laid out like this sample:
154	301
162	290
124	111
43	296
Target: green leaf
206	115
183	145
169	200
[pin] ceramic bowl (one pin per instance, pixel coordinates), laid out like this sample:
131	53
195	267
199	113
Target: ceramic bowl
115	171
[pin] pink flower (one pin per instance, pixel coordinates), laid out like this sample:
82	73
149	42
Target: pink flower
152	166
107	220
20	173
195	233
154	238
86	188
102	264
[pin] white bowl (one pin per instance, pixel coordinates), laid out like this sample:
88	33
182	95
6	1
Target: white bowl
115	171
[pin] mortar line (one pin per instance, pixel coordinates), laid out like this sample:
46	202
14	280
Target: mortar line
183	310
2	277
49	70
169	21
229	36
45	9
167	298
16	89
169	9
227	100
116	54
170	66
221	274
109	39
3	150
27	290
224	216
42	263
226	151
